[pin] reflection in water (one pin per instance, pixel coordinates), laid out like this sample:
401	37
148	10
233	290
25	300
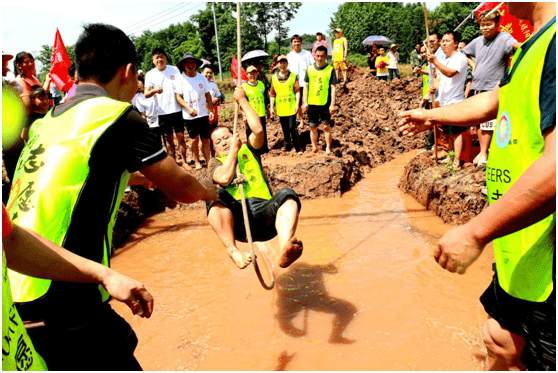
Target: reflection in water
302	288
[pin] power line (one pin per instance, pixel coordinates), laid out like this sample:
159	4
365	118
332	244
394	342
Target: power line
150	18
165	20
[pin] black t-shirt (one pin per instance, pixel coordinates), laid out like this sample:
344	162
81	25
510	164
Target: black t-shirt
128	144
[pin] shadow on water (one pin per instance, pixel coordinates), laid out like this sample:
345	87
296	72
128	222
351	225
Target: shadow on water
283	360
302	288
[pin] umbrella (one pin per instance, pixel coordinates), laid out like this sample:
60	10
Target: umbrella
376	39
204	63
254	54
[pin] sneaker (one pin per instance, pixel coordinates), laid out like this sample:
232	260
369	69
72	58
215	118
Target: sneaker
476	160
481	164
484	190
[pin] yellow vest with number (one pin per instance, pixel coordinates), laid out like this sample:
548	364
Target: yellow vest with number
524	259
318	86
255	185
255	95
286	97
51	173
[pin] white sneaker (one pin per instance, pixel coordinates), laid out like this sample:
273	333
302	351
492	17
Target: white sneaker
476	160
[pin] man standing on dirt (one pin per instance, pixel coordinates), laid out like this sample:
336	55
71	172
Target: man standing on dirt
270	216
299	60
192	93
161	83
450	84
492	51
319	98
521	218
75	168
340	50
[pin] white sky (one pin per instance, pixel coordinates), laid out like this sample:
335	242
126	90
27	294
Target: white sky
27	26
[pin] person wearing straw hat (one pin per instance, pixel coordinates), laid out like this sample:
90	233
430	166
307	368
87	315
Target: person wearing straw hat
393	66
269	215
192	93
520	221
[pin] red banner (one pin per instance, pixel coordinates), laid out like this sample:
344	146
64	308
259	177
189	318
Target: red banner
521	30
234	71
59	63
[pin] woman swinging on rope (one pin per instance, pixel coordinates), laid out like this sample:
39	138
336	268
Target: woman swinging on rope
269	215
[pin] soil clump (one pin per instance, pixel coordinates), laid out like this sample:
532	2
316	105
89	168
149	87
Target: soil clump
455	196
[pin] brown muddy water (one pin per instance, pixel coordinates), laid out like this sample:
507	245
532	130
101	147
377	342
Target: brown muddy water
365	295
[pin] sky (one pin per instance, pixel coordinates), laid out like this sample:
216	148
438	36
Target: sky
42	18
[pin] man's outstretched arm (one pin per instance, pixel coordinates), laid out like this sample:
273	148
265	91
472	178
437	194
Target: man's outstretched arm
472	111
33	255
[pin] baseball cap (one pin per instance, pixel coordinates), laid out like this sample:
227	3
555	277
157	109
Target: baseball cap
253	68
282	57
338	30
393	45
319	33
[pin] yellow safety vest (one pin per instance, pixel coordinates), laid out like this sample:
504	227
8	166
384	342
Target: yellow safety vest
338	49
524	259
286	97
318	86
50	175
255	95
255	185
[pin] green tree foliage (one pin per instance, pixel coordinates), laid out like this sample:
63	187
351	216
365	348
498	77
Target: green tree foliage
402	23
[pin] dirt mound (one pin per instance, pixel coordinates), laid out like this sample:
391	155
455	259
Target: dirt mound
455	196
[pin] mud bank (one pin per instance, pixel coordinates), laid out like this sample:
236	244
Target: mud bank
455	196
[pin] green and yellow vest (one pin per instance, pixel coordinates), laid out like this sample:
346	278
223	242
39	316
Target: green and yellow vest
286	98
255	185
524	259
51	173
255	95
318	86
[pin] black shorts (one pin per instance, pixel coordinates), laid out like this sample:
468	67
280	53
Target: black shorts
453	130
318	115
535	321
197	127
261	213
170	122
105	341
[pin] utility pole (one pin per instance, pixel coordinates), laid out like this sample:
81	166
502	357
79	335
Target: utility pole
217	42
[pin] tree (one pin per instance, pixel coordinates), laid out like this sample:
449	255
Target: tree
44	58
270	16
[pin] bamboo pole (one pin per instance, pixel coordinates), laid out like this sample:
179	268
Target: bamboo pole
430	83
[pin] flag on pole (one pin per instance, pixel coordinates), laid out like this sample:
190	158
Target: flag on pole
234	71
59	63
521	30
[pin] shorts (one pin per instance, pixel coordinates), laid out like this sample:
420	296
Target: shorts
197	127
535	321
454	130
262	213
318	114
339	65
486	126
170	122
105	342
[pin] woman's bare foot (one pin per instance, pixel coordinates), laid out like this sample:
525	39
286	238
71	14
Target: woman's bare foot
291	252
314	149
328	151
240	259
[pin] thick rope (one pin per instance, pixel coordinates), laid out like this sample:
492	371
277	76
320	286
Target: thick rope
240	186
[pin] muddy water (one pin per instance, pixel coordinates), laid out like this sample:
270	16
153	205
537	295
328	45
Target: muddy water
365	295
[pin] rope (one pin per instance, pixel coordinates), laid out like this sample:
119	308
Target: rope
240	186
430	84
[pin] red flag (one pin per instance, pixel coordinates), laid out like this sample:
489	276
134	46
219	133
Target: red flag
59	63
234	71
521	30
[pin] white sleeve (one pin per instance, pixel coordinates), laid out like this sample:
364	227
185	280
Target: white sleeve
149	80
178	85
